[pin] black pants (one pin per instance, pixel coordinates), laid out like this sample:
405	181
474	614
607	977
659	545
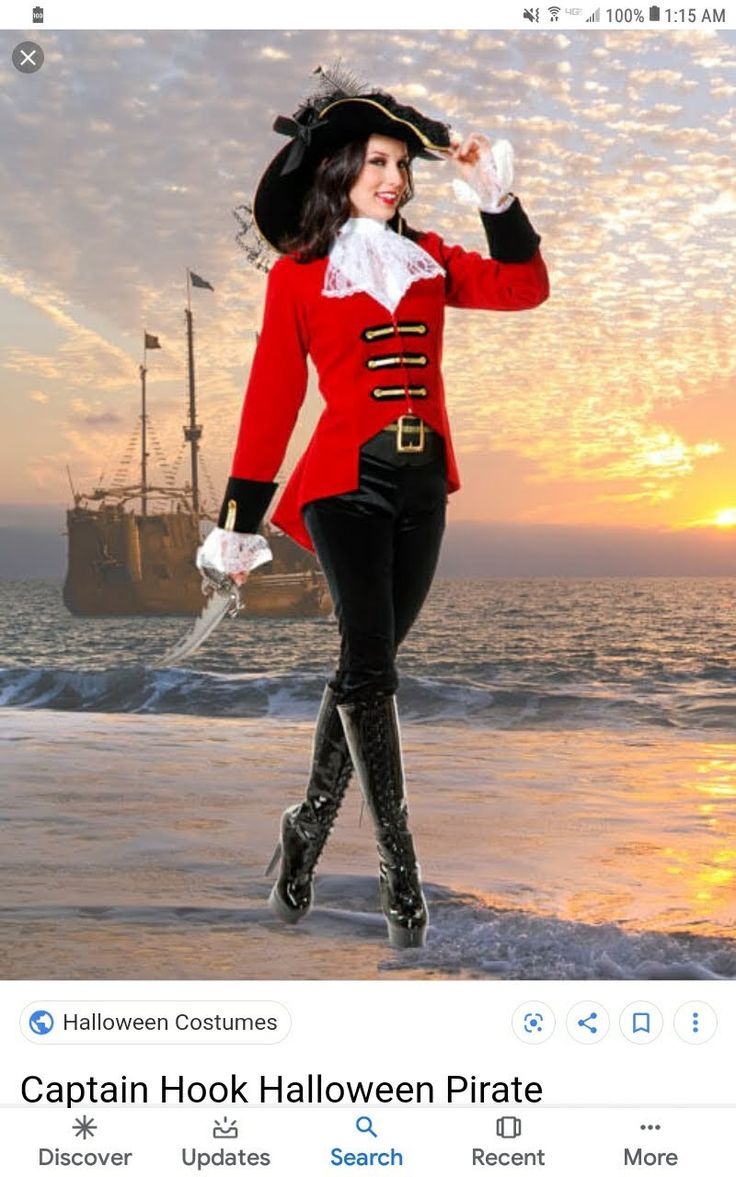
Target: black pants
378	547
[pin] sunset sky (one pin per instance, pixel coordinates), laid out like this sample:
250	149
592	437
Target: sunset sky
611	406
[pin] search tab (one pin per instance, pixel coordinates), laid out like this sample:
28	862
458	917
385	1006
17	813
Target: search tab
385	1156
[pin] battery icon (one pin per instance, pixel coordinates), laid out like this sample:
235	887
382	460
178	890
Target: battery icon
654	12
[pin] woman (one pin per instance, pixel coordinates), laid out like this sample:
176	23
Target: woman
364	296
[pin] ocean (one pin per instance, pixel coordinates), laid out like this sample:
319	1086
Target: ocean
621	654
571	769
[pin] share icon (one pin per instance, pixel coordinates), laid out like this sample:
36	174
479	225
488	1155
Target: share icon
587	1022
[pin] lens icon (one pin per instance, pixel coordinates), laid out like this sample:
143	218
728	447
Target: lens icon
533	1022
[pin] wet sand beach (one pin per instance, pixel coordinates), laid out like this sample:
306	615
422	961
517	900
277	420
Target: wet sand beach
133	846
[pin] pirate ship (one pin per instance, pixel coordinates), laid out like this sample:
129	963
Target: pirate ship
131	546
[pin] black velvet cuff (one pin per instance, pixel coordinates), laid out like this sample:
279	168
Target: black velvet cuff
511	237
251	500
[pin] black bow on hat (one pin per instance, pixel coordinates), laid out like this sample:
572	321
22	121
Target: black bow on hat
301	132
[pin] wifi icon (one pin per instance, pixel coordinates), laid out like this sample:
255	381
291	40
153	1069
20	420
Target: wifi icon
553	13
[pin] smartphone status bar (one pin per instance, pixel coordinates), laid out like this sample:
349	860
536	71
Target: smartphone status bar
380	14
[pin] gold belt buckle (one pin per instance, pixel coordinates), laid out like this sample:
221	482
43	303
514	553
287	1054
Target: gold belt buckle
404	431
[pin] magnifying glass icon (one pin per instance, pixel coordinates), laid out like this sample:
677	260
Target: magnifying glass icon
365	1124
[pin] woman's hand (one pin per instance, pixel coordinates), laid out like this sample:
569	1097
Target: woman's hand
487	171
467	153
233	553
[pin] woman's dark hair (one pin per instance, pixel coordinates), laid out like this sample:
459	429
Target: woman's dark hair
326	206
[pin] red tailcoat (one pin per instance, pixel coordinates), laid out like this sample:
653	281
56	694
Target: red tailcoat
372	366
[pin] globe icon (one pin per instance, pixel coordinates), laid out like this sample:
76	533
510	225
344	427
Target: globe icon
41	1022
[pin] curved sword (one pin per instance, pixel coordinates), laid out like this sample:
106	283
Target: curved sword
224	594
224	601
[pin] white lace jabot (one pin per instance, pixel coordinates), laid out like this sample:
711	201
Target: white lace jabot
368	257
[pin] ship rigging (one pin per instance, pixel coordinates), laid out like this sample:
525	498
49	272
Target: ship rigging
123	561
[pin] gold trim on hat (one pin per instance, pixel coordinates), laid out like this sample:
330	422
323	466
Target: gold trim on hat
394	118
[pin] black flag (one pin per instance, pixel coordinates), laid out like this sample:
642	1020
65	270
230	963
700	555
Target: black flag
197	281
150	341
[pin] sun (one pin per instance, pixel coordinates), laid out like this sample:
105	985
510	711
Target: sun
726	518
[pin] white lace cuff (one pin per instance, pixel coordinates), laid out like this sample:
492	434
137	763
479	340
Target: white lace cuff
489	187
233	551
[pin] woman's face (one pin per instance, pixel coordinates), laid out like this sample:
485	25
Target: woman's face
383	179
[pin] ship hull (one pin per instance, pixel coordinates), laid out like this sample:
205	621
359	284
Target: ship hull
122	564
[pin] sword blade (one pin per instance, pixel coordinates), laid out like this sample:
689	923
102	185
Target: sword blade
218	606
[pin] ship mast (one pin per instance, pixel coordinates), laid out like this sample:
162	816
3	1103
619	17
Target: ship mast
144	454
193	430
150	343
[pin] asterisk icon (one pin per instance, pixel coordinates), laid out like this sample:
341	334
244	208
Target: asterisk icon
84	1127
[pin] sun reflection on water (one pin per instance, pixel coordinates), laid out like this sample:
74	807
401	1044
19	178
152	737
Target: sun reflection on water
722	774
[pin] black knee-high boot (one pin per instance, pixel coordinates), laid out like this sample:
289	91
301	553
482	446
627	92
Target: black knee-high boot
306	827
372	732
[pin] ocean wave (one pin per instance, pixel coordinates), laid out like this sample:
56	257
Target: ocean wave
295	695
468	937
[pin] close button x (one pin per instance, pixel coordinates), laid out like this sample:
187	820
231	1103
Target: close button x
28	57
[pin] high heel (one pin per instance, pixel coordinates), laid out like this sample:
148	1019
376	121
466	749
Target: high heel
301	841
273	861
372	733
306	827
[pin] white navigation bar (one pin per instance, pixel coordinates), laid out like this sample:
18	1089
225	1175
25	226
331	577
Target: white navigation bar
561	1142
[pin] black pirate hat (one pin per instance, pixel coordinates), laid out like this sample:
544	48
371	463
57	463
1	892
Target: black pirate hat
339	113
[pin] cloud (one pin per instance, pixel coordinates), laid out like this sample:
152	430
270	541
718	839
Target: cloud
624	151
100	420
271	53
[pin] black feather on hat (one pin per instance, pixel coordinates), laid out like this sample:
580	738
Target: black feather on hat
340	112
